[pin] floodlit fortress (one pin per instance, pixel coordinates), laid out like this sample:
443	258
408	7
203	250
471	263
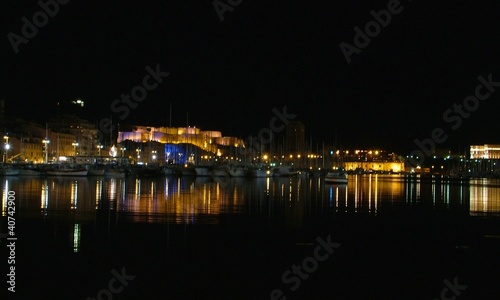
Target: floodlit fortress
176	145
206	140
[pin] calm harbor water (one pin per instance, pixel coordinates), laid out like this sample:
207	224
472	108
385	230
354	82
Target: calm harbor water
200	238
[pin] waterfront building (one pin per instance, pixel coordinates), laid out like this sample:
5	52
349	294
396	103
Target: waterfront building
375	160
35	143
85	141
486	151
379	166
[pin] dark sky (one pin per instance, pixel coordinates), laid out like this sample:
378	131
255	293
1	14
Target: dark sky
229	75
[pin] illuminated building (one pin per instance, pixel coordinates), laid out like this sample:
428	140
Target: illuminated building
379	166
372	159
29	149
84	132
486	151
175	144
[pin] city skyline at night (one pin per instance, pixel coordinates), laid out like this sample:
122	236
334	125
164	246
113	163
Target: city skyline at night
231	74
229	149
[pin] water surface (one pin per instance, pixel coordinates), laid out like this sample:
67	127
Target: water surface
199	238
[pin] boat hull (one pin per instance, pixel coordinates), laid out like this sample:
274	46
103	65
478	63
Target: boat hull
9	172
68	173
202	171
337	178
187	171
114	173
219	173
98	172
238	172
284	171
25	172
260	173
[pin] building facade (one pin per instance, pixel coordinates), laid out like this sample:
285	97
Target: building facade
85	134
486	151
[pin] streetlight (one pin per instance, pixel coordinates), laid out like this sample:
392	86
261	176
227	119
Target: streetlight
6	146
99	147
74	144
123	149
153	155
46	145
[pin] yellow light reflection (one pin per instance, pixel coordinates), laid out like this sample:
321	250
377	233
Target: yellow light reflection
112	193
98	193
74	194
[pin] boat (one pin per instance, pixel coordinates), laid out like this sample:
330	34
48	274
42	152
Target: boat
95	170
259	172
112	172
27	170
284	171
67	170
220	171
149	170
169	171
186	171
8	171
237	171
202	171
336	177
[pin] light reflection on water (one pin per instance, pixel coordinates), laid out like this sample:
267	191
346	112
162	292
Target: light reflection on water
198	200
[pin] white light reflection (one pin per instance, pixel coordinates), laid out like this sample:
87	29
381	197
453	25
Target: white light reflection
44	200
112	193
4	197
166	188
76	238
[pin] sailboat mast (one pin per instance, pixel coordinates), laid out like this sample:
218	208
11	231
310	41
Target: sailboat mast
46	142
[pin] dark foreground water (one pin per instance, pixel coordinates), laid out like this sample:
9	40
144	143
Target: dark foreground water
379	237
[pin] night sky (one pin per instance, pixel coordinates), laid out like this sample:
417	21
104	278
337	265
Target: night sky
229	75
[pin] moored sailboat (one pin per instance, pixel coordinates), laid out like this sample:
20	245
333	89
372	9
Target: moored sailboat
67	170
337	176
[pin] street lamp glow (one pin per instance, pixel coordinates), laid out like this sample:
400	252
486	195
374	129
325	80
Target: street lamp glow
46	145
75	144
